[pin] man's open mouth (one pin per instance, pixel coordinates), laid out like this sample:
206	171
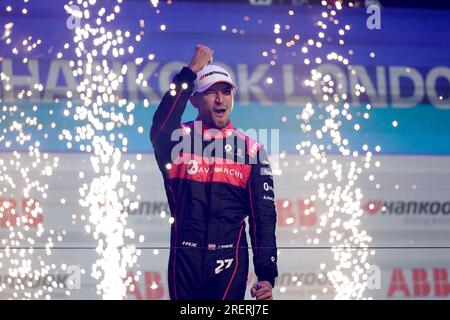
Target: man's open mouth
220	112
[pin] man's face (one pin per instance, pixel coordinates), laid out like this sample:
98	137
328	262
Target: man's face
215	104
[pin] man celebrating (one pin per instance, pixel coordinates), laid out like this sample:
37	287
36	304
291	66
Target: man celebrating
212	185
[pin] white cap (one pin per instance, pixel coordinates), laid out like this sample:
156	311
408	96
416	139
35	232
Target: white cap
211	74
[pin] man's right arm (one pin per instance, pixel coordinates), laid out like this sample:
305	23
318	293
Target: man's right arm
167	117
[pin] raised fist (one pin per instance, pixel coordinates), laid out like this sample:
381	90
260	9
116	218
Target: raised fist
202	56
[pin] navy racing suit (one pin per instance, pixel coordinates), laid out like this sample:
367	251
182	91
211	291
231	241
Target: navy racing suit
214	179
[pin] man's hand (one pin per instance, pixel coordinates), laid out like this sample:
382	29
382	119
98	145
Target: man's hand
262	290
202	56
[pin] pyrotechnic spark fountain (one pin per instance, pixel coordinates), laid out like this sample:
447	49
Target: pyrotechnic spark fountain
23	179
101	114
337	182
337	187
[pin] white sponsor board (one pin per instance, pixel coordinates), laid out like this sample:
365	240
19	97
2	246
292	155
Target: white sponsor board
393	274
413	190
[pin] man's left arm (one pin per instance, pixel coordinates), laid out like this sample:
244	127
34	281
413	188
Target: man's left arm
262	220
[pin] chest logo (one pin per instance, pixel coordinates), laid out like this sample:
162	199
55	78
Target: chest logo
192	167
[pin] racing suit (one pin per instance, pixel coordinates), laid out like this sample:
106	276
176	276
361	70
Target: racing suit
213	180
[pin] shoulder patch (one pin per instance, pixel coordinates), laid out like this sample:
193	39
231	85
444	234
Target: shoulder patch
253	146
187	127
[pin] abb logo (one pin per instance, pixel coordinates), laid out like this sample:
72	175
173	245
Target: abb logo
30	213
424	283
300	213
153	289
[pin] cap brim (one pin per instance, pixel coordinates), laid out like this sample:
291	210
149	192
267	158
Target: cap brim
205	87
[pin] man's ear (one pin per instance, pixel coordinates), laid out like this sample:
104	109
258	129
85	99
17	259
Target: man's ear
194	101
